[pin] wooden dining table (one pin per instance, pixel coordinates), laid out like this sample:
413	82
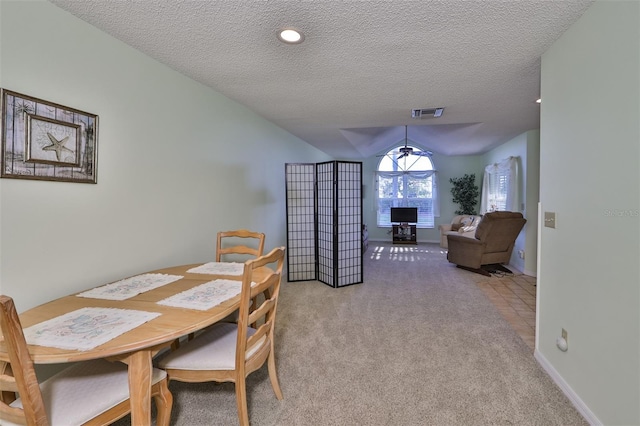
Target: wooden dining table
136	347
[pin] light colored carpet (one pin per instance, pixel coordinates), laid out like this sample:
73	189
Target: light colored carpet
417	343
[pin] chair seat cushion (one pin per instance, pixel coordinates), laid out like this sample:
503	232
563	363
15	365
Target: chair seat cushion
85	390
215	349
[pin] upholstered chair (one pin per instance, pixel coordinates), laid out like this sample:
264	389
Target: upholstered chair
492	244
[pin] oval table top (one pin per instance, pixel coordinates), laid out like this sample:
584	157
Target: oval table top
172	323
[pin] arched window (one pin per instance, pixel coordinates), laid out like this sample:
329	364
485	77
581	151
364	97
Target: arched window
407	180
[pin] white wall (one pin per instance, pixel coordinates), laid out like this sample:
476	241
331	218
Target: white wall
527	148
589	279
177	162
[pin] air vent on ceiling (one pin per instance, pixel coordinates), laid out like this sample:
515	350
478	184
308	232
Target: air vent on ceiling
420	113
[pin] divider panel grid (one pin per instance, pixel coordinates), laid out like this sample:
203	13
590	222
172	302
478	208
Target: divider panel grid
349	220
301	247
326	221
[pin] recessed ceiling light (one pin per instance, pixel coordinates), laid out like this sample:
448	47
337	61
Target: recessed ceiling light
539	100
290	36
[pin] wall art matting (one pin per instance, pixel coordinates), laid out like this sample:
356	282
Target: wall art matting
45	141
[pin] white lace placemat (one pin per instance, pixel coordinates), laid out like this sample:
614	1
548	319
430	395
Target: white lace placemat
129	287
219	268
205	296
86	328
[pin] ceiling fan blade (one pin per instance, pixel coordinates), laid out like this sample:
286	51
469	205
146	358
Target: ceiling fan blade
423	153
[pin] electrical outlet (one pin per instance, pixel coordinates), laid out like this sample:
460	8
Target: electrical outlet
561	342
521	254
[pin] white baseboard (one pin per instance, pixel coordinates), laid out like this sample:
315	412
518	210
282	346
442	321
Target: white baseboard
514	268
525	272
566	389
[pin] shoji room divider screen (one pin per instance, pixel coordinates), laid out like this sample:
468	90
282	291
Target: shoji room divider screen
324	222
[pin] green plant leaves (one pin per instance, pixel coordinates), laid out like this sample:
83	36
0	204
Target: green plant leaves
465	193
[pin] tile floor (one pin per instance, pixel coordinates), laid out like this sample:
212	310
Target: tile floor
515	298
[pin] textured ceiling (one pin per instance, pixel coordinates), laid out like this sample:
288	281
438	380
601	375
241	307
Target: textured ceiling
364	65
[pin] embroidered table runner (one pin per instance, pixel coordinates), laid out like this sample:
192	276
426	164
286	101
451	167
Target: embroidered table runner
129	287
205	296
86	328
219	268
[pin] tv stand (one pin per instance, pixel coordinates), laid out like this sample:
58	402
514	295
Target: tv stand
404	233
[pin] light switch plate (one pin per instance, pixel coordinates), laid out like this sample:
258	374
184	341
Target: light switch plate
550	219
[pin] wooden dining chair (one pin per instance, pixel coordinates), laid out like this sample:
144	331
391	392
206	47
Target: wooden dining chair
247	244
239	242
242	244
229	352
87	393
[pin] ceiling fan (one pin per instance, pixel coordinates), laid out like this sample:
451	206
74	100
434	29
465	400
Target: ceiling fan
406	150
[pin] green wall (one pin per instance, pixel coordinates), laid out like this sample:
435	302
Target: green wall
177	162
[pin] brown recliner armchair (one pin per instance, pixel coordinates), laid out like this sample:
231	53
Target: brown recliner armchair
492	246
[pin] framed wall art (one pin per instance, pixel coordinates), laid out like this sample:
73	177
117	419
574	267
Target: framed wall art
45	141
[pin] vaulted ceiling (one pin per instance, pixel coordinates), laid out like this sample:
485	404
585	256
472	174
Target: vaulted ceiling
350	87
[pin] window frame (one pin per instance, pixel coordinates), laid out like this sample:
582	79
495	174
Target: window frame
499	187
404	177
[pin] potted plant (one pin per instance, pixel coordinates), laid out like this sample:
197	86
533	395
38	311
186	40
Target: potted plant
465	193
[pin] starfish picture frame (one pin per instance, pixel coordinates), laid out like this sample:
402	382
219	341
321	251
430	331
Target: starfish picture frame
42	140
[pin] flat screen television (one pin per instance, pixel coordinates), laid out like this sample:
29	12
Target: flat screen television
404	214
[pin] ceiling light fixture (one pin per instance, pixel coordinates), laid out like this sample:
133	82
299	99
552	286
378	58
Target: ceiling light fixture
539	100
290	36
